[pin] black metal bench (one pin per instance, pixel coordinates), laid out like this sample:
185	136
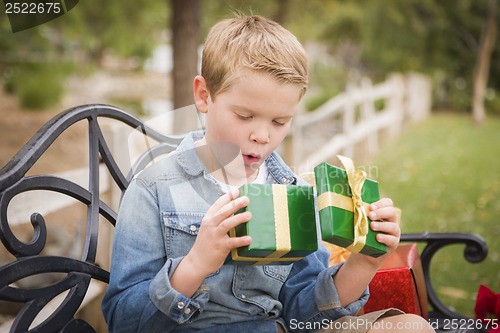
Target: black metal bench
76	274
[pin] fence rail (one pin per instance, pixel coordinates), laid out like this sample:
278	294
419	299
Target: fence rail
359	117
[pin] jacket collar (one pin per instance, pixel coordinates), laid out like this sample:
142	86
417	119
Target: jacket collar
187	157
277	168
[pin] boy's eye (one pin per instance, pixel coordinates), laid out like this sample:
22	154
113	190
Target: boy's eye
279	123
243	117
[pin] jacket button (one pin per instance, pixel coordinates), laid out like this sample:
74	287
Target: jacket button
192	228
187	311
285	180
243	296
180	305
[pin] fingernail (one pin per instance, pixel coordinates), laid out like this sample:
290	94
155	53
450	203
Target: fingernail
374	225
372	215
373	207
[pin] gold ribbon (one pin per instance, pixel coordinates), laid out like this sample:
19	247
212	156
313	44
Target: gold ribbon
355	204
281	228
281	222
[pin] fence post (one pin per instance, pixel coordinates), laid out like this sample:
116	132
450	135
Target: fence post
396	104
348	120
368	115
418	97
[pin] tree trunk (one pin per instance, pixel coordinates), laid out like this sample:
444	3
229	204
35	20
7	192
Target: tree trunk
282	11
185	41
482	69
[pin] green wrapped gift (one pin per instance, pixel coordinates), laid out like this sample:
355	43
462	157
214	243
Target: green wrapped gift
343	203
283	225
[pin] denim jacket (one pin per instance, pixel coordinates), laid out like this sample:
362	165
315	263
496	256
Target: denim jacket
158	221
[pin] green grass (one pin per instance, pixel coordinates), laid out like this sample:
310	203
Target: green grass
444	173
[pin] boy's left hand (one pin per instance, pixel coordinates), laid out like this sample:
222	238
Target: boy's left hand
389	228
358	270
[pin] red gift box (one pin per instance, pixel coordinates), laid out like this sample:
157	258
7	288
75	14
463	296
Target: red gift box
399	283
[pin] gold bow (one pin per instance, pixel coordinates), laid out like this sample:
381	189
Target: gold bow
355	204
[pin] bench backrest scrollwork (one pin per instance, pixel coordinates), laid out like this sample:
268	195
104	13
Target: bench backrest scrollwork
29	260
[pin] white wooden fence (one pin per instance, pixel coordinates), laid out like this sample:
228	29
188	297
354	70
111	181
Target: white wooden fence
360	118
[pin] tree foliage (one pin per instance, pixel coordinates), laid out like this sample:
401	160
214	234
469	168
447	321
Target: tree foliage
82	36
438	37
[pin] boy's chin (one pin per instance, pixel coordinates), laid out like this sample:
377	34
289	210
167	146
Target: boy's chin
252	169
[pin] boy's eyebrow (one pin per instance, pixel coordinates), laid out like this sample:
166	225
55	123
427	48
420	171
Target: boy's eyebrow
242	108
246	109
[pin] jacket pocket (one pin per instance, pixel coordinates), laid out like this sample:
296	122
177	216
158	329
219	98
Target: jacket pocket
279	272
181	229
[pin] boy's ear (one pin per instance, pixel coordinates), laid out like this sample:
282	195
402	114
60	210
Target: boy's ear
201	94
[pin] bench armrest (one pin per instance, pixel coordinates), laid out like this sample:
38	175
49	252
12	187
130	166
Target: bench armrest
475	251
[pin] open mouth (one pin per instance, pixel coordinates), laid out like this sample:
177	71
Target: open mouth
250	159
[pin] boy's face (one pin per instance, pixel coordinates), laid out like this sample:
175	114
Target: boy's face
252	115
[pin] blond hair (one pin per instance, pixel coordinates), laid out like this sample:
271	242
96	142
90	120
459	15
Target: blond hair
255	43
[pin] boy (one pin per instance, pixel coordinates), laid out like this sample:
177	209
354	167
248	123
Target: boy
167	271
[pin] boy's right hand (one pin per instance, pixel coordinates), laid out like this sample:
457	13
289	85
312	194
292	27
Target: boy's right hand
213	243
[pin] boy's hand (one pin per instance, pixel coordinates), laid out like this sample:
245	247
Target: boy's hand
391	233
213	244
357	272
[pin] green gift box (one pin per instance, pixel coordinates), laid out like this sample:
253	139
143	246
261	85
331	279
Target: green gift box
283	225
336	208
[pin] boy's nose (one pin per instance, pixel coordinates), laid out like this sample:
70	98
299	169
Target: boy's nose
260	135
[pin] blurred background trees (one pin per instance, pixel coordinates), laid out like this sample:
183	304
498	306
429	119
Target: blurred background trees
35	62
185	42
453	41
